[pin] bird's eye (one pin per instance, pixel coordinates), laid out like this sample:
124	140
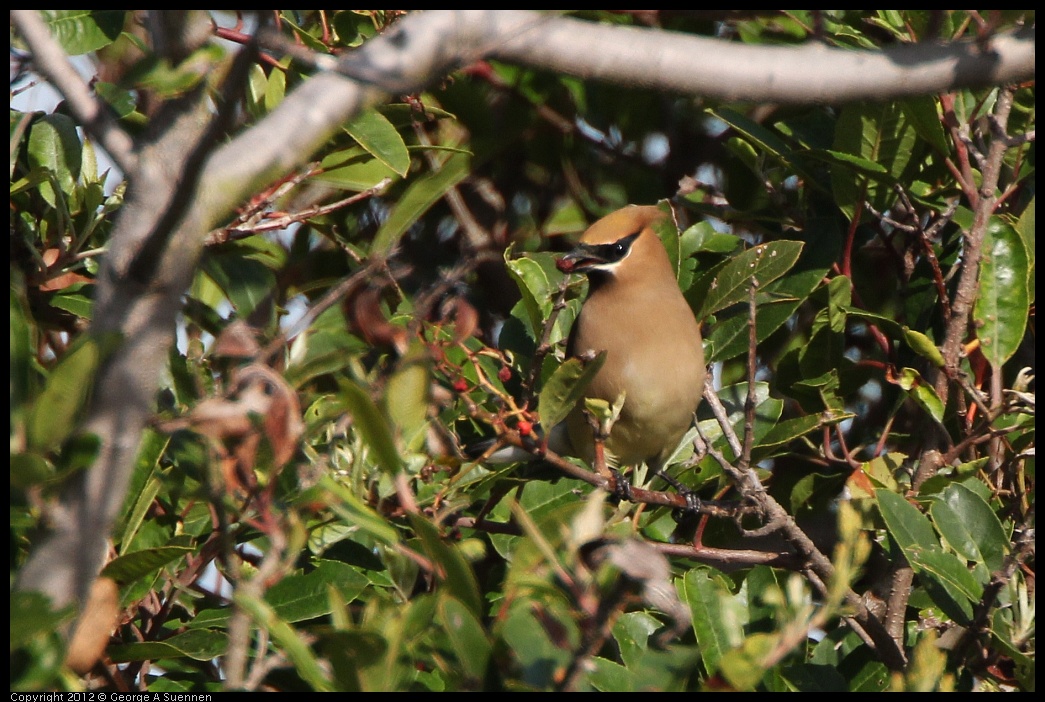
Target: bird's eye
619	249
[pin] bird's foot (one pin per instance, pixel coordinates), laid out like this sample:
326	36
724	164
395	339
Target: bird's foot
621	486
693	502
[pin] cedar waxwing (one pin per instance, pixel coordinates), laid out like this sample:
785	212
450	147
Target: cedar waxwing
636	313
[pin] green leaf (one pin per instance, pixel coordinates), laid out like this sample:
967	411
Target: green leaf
353	169
776	303
754	132
31	615
376	134
355	512
459	580
53	416
922	113
906	524
373	425
197	644
466	635
350	651
1025	228
55	145
130	567
948	580
538	280
764	262
923	346
22	334
1003	304
119	99
300	597
81	31
145	485
742	666
75	299
717	622
418	198
873	145
790	429
922	393
564	388
288	639
406	398
969	526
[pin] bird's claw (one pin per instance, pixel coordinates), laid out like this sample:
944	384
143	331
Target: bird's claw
693	503
621	486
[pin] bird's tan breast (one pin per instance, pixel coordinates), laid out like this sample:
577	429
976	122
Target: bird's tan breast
654	355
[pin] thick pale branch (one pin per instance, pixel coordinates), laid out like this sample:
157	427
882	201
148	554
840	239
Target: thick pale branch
726	70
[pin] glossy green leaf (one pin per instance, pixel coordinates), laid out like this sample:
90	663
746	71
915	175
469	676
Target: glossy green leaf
376	134
406	400
357	513
300	597
906	524
354	169
765	263
81	31
373	425
75	299
53	415
197	644
538	280
55	145
289	640
144	487
244	273
924	116
1003	304
790	429
466	635
765	139
120	100
922	393
127	568
459	580
717	622
923	346
564	388
1025	228
776	303
878	143
969	526
948	580
422	193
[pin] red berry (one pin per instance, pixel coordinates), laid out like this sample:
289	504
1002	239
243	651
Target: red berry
505	374
525	428
461	385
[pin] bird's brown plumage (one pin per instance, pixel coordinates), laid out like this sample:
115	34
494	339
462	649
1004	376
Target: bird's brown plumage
636	313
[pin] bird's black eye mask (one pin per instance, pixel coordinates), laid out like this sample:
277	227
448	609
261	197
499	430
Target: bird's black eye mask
612	253
594	257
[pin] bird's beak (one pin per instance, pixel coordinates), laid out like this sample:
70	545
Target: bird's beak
581	259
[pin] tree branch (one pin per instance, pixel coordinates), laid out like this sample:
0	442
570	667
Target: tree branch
51	62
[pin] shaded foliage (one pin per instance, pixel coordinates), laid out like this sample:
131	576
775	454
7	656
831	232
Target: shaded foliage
303	515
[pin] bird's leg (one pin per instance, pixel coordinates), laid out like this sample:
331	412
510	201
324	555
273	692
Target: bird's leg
690	496
621	486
